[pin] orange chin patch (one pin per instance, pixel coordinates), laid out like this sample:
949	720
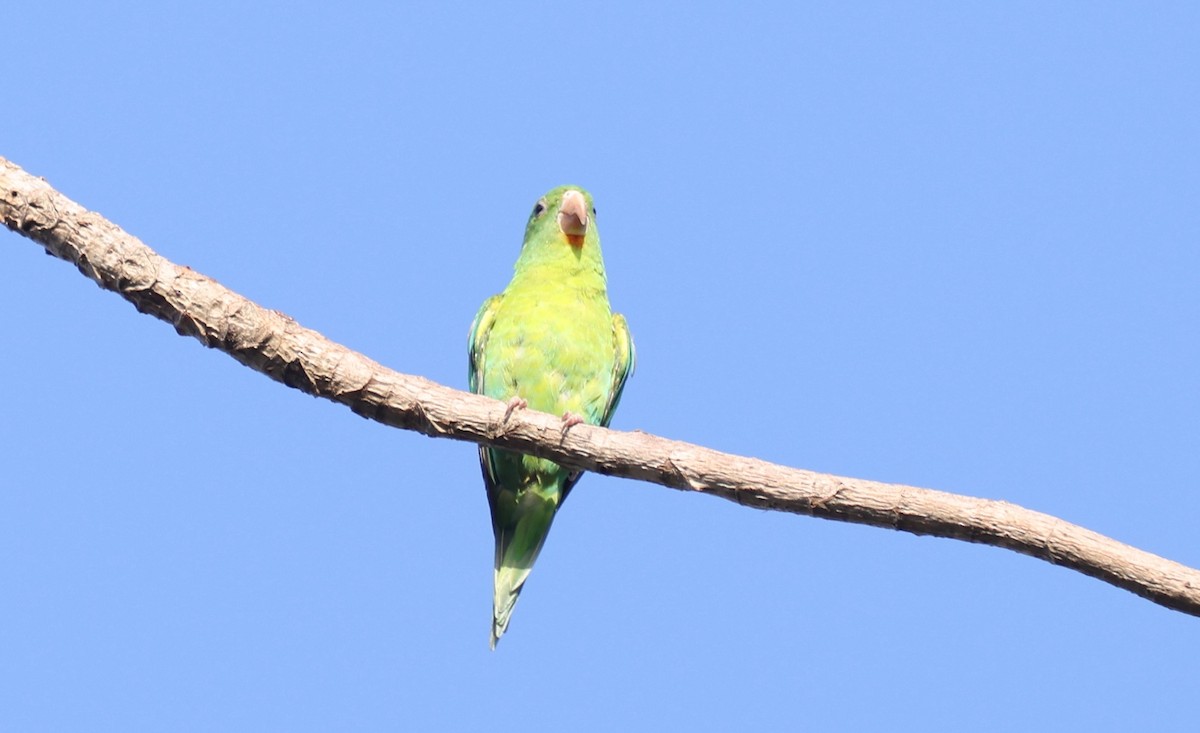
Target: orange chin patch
575	240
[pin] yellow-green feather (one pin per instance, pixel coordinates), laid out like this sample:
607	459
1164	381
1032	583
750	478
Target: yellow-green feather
551	339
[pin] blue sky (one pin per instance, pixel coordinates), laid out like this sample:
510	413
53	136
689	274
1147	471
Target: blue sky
951	245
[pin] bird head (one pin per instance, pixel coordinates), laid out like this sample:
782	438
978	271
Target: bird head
564	214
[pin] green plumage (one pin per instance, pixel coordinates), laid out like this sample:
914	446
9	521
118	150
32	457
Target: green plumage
552	340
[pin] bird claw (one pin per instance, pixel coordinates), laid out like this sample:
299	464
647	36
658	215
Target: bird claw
570	420
516	403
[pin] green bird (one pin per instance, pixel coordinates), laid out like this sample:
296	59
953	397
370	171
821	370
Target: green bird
550	342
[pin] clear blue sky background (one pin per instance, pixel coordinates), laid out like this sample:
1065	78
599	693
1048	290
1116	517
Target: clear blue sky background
956	247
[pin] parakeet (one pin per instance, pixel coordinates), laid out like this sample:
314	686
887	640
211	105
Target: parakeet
551	342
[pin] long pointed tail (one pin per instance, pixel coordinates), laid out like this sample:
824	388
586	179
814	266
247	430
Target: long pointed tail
516	550
508	584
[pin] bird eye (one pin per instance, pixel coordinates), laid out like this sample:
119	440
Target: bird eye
593	211
539	209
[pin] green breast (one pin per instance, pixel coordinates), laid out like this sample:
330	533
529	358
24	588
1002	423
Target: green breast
553	346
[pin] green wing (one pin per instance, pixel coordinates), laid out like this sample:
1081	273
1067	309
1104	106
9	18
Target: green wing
481	328
623	366
477	339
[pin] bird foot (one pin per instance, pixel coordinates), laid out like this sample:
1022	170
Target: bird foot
570	420
516	403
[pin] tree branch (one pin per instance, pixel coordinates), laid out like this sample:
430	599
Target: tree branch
274	344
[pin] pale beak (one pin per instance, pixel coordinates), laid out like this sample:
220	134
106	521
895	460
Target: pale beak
573	216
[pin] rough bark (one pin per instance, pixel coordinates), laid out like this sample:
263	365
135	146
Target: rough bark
274	344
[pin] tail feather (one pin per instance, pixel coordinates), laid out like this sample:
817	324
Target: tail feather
517	549
508	584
